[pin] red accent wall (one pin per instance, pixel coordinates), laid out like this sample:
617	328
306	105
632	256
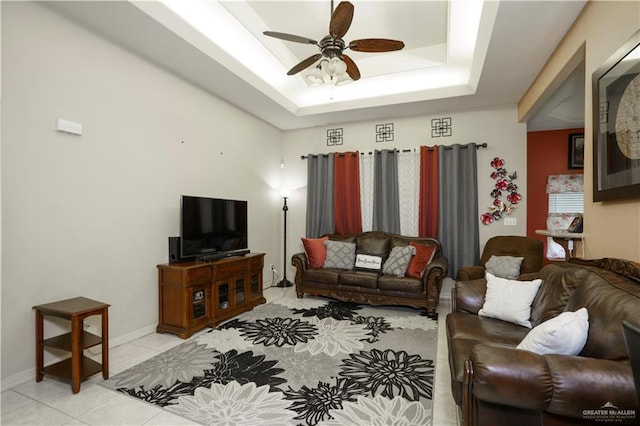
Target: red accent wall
547	154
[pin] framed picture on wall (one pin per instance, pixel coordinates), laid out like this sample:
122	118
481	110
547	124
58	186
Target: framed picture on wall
616	124
576	151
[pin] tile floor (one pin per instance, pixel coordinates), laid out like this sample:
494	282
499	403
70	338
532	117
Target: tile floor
51	402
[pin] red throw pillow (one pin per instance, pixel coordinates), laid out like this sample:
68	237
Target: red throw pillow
316	251
424	255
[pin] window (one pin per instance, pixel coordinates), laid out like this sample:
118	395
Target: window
566	202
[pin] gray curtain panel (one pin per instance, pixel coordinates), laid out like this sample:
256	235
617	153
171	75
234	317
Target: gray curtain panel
386	196
458	228
319	195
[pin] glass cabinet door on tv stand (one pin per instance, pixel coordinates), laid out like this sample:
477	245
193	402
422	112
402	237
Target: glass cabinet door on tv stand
228	296
230	278
240	290
222	296
199	309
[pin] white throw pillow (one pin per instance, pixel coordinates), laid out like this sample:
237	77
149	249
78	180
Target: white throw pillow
565	334
509	300
504	266
368	262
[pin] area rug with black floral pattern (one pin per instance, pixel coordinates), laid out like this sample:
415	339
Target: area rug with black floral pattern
310	361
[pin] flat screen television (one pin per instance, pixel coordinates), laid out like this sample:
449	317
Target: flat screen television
212	227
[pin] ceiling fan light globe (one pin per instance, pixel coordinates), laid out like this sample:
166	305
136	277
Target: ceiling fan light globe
315	77
335	67
328	68
341	67
323	67
343	79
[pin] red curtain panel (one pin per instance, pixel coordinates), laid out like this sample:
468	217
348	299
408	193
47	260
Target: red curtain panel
428	205
346	193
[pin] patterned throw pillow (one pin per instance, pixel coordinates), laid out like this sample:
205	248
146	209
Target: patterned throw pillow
398	261
340	255
504	266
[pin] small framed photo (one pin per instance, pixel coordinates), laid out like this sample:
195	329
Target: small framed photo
576	225
576	151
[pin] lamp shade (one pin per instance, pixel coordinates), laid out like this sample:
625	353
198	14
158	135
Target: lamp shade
285	192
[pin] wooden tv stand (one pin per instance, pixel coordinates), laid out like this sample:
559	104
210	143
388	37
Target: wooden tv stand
195	295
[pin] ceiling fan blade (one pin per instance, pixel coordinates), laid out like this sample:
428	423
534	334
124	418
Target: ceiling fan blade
375	45
304	64
341	19
290	37
352	68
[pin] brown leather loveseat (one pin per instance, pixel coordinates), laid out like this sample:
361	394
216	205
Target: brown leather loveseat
374	288
497	384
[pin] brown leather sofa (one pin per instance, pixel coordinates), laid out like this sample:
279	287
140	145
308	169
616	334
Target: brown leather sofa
530	249
374	288
497	384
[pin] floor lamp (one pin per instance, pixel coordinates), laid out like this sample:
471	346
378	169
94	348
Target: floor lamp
284	282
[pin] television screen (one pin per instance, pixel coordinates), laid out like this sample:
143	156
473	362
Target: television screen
212	225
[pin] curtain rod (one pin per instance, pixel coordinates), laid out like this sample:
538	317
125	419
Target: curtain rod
304	157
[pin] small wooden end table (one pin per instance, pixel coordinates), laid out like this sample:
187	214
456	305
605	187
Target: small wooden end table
78	367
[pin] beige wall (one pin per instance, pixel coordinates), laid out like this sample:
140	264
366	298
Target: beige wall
611	229
90	215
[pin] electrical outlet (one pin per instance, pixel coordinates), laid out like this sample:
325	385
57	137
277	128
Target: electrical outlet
273	267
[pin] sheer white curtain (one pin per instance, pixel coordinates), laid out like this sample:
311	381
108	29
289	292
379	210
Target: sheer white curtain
409	190
366	191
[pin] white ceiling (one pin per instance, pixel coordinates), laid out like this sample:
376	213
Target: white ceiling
459	54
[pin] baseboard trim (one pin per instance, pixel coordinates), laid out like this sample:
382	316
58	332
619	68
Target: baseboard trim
30	374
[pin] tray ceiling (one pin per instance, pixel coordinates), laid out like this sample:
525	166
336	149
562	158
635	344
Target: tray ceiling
459	54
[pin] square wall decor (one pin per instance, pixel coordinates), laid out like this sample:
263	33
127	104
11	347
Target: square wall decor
384	132
441	127
334	136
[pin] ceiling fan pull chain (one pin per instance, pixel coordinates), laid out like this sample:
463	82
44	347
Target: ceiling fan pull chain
332	87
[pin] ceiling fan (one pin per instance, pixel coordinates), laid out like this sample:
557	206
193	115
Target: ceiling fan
332	45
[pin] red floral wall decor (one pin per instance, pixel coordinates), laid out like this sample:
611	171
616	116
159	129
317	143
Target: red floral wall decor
504	186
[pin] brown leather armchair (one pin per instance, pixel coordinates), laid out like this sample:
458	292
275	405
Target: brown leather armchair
506	245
